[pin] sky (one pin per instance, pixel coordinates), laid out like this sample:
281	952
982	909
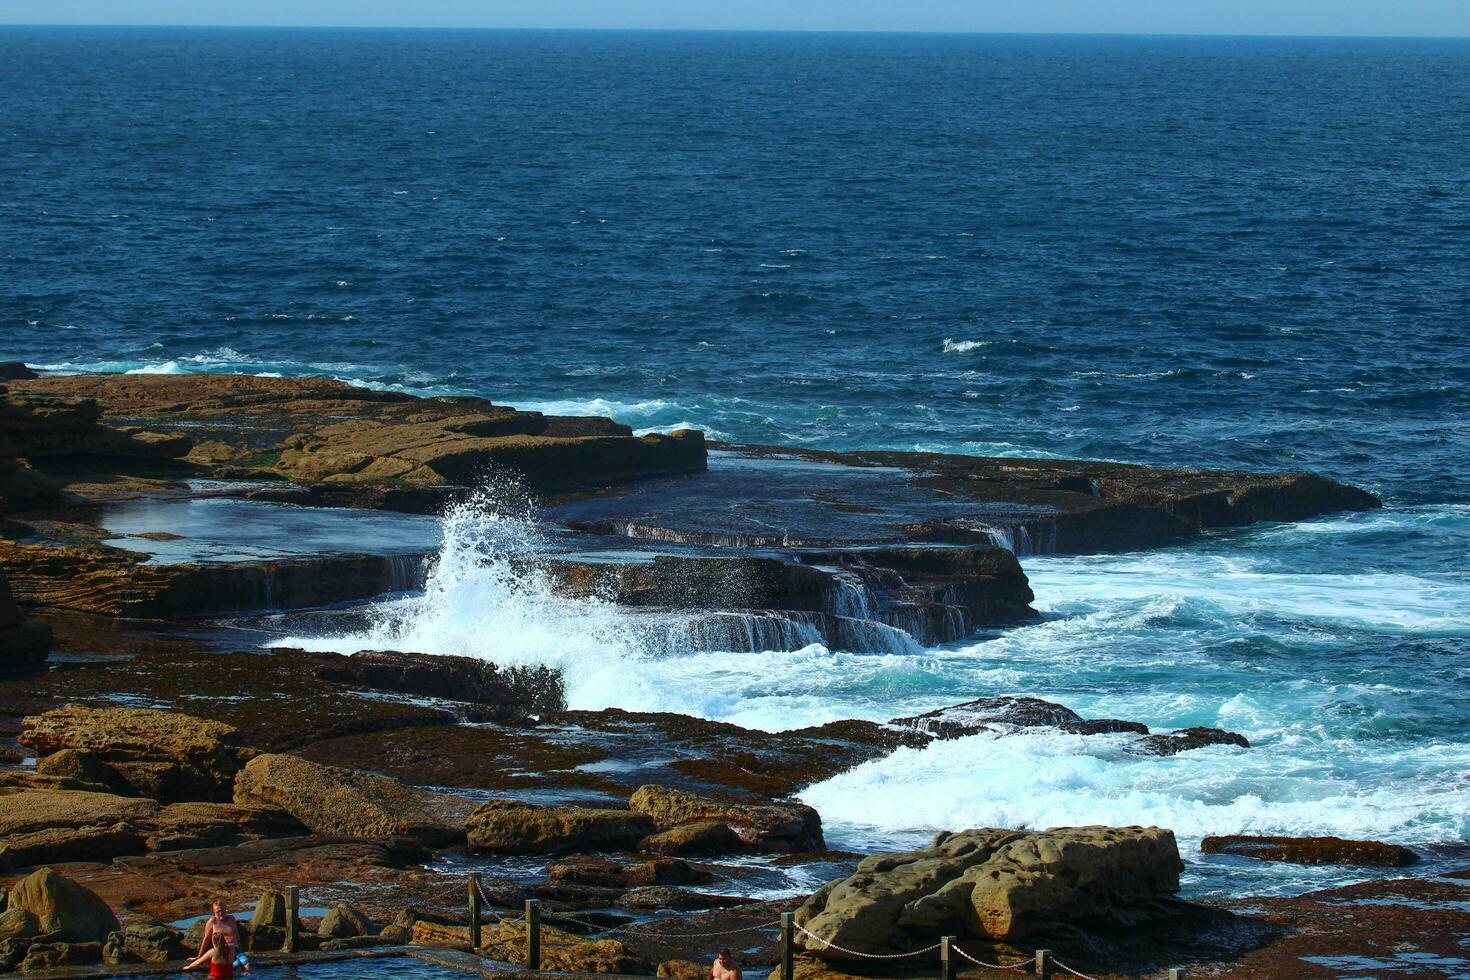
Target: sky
1394	18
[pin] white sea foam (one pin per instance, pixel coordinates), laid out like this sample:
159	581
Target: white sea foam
478	601
1047	778
963	346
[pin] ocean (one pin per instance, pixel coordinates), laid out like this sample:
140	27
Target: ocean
1216	252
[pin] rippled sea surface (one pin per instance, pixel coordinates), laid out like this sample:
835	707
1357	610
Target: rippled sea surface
1203	252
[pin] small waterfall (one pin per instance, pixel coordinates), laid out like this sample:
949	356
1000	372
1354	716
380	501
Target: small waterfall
868	636
849	595
406	573
740	632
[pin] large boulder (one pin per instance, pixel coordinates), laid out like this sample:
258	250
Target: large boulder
142	942
562	951
342	921
769	827
164	755
996	885
703	839
350	803
513	827
67	912
1312	850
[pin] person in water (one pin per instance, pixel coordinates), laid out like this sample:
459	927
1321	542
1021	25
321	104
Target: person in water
724	967
223	926
220	958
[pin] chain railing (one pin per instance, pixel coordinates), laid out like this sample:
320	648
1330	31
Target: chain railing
1043	964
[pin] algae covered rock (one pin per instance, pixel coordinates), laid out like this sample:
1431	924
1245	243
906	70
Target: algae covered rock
702	839
349	803
768	826
513	827
1312	850
997	885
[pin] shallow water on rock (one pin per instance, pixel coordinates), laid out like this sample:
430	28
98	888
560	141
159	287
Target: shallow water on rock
199	529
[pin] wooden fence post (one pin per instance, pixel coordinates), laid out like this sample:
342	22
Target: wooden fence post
788	946
533	934
293	909
946	958
474	887
1043	964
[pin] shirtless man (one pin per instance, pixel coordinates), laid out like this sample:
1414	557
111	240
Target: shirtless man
724	967
223	924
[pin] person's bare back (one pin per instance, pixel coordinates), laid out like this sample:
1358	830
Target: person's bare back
724	967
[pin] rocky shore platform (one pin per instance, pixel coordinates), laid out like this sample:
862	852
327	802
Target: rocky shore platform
156	753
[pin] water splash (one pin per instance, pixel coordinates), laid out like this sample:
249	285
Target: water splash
483	599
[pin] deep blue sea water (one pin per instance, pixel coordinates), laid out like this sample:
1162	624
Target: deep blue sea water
1248	253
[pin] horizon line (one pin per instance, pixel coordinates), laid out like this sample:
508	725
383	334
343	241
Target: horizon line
739	30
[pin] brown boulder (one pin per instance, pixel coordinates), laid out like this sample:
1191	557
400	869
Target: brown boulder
350	803
1312	850
769	827
683	970
53	955
605	872
513	827
996	885
65	910
164	755
18	923
145	943
694	840
342	921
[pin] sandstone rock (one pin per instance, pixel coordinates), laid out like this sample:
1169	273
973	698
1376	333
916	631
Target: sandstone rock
329	800
357	942
517	692
770	827
146	943
694	840
608	873
683	970
180	826
1312	850
1189	738
55	826
71	764
64	909
512	827
51	955
343	921
18	923
998	885
161	754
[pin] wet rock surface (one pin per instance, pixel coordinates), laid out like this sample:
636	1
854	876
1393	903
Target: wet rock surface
25	642
1312	850
769	827
1001	715
517	693
512	827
